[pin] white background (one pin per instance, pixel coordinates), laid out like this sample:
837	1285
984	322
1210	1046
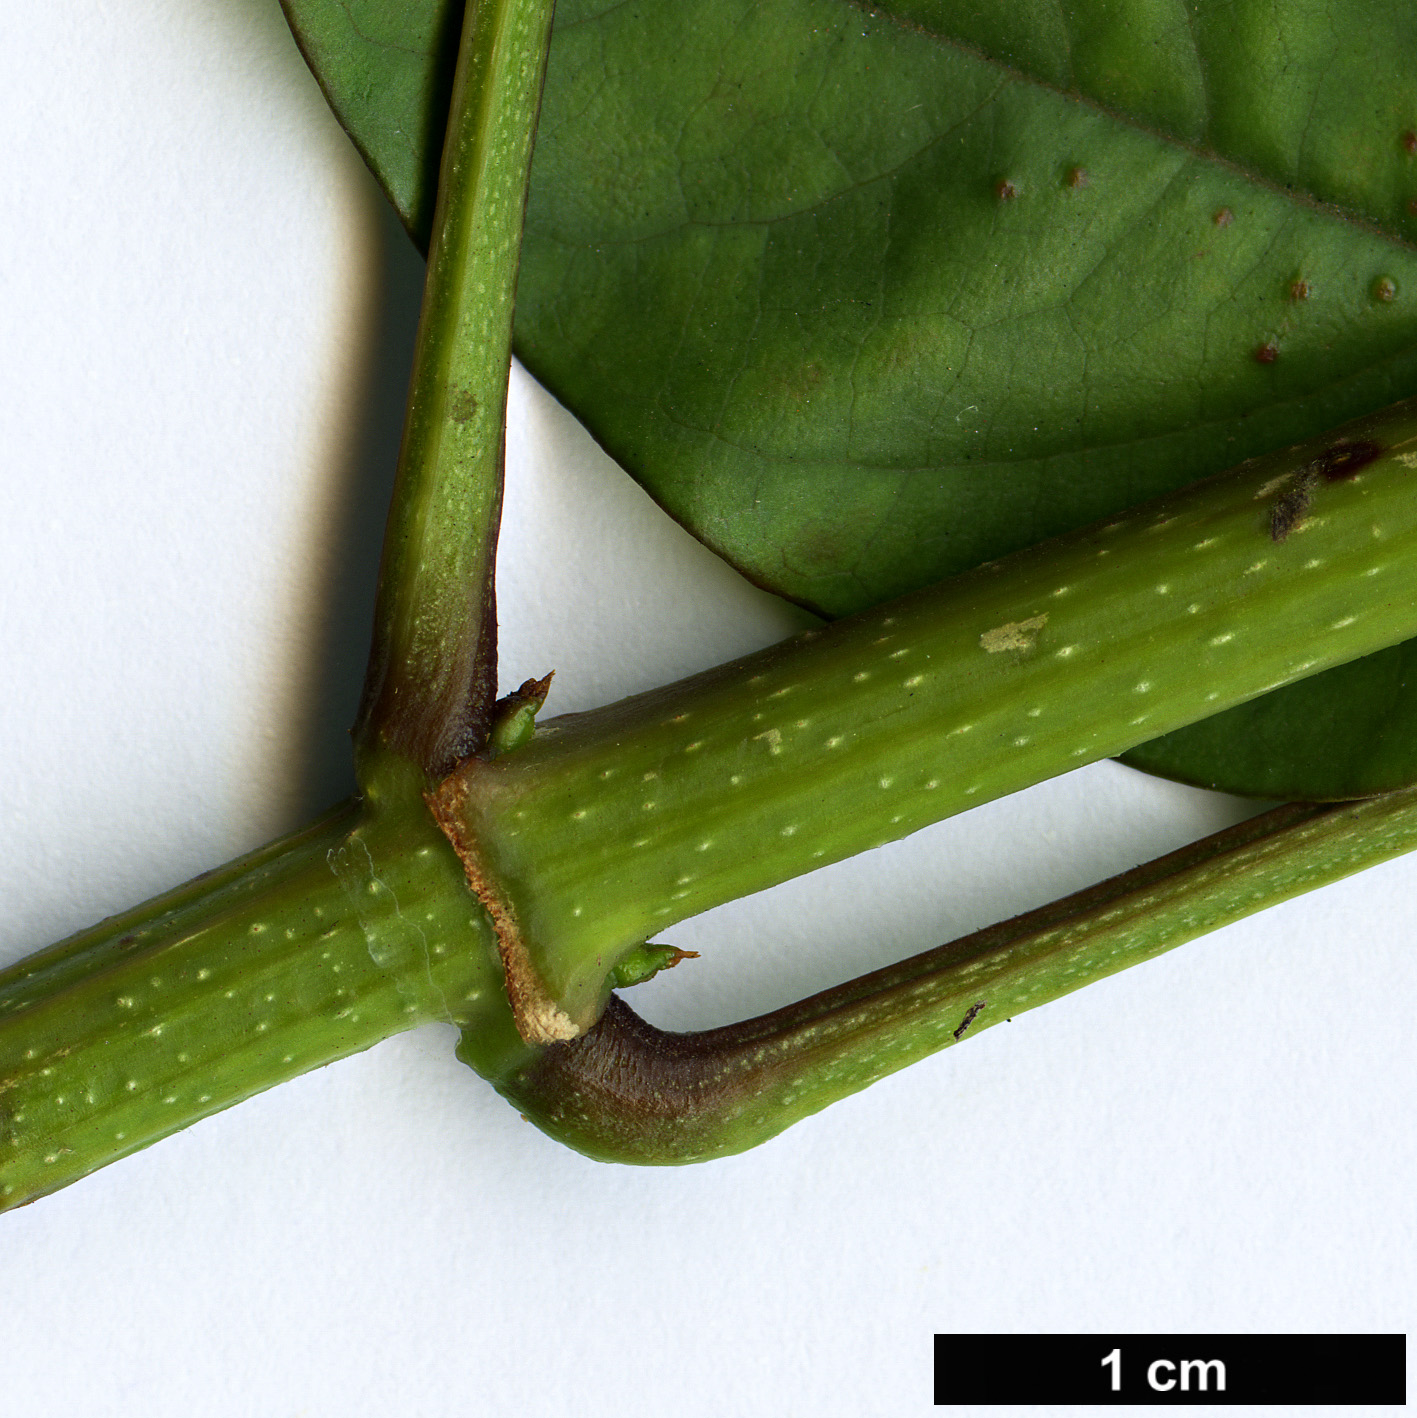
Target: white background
206	320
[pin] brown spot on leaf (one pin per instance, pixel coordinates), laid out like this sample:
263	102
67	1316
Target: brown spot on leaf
1299	290
1224	217
1409	143
1385	290
1077	177
800	382
1004	190
819	547
1267	353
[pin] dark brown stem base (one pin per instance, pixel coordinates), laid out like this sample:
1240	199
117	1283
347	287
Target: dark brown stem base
629	1092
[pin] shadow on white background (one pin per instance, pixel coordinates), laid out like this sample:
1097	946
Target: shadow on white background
206	326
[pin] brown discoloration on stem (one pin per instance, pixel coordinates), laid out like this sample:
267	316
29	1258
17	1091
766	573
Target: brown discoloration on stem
629	1092
1016	635
970	1016
539	1019
1337	463
1290	509
1343	460
437	724
432	675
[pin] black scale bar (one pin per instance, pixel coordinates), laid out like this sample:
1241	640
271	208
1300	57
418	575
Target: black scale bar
1283	1369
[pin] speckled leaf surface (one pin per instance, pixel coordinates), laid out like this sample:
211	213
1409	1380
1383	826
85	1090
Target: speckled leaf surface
864	297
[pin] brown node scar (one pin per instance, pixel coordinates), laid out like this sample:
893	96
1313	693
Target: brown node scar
539	1019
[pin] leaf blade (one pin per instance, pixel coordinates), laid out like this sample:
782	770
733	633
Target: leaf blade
866	298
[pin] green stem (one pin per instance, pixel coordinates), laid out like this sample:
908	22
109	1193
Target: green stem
611	825
314	948
628	1092
606	826
432	669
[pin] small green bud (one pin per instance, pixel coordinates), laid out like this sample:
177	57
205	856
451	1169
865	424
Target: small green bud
514	717
645	961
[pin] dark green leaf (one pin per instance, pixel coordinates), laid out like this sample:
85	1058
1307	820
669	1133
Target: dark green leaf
1344	734
387	72
867	297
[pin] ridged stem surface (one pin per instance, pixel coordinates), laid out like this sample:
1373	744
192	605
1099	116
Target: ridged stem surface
432	670
608	825
611	825
314	948
628	1092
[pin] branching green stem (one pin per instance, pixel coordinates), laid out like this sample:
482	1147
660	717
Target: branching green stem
611	825
314	948
604	827
432	669
627	1092
581	838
